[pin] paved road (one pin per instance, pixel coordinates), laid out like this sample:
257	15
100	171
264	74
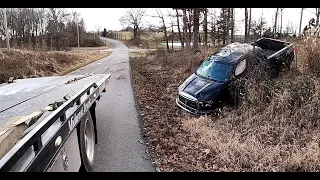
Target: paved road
119	145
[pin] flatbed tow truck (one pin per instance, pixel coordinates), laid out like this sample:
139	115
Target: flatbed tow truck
49	123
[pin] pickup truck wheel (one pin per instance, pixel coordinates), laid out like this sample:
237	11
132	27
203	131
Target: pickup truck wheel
87	142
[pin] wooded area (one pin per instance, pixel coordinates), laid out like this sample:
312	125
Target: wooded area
194	26
44	29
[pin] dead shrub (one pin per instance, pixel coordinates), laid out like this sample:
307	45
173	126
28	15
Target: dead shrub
13	65
185	60
24	63
313	56
308	56
62	57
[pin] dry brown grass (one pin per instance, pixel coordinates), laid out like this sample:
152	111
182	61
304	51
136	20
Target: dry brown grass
308	56
281	135
127	35
156	79
23	63
276	128
143	44
148	40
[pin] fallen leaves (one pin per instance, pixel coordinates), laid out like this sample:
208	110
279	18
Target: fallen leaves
156	86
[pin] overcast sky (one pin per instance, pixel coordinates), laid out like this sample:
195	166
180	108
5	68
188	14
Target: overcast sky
109	17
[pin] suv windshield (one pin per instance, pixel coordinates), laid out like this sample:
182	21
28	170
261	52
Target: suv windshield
217	67
214	70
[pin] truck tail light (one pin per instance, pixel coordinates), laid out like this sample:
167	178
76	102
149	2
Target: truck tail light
294	49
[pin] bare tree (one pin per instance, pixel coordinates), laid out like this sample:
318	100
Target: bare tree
205	26
232	24
249	23
300	24
317	15
223	25
275	23
213	32
133	17
190	24
245	24
172	36
172	32
196	15
179	31
160	15
281	9
6	28
57	18
289	29
185	25
96	30
257	27
227	25
261	25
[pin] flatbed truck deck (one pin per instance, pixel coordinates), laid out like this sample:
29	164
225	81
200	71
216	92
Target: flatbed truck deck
61	127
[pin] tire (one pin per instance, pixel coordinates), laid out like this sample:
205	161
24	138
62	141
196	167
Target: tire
86	142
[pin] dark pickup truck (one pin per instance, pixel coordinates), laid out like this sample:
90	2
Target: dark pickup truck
200	91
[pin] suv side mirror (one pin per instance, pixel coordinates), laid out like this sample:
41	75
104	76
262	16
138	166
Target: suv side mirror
240	67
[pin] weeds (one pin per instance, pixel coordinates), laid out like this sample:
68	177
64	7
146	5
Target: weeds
23	63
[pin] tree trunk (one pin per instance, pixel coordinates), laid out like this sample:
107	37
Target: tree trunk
317	14
196	14
212	31
179	32
135	33
227	25
57	41
37	43
14	38
205	27
214	28
212	37
29	41
172	36
51	42
232	25
281	21
245	24
261	19
185	27
249	26
275	23
189	26
165	34
300	24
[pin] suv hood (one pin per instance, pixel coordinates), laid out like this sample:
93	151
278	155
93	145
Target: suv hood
201	88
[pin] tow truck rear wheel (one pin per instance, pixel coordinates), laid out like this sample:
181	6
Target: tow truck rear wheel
86	142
